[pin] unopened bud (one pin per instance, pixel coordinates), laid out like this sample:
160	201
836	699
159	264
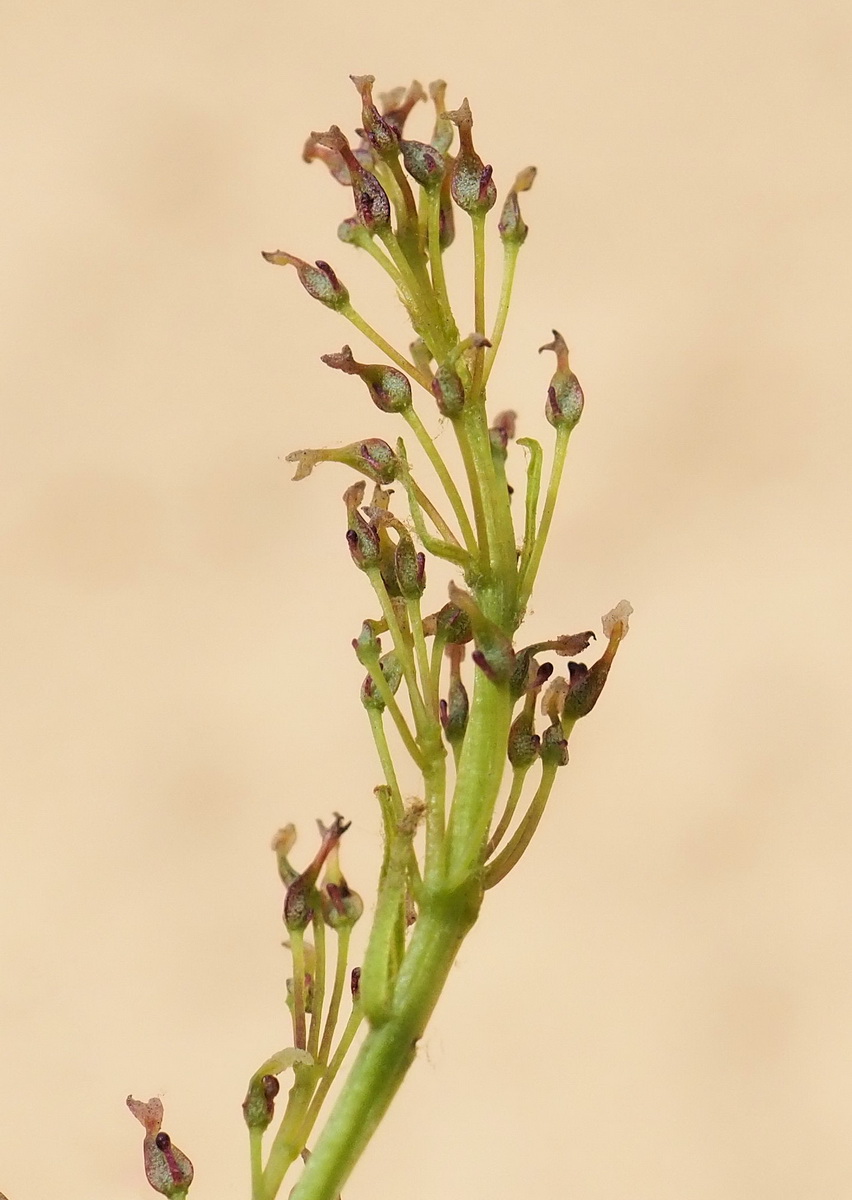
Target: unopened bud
355	982
391	669
494	654
513	229
585	684
523	745
455	709
471	184
502	432
318	280
371	201
410	567
424	164
259	1104
366	645
554	747
564	395
389	389
361	537
167	1169
442	135
448	390
381	135
301	895
453	625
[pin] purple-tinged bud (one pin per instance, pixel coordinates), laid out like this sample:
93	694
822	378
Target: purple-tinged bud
470	180
355	983
301	894
564	395
448	390
524	742
167	1169
332	159
259	1104
455	709
453	625
410	568
442	135
371	201
379	132
361	536
282	843
318	280
554	747
341	907
502	432
398	103
367	645
389	389
513	229
446	218
391	669
494	654
585	684
372	457
424	164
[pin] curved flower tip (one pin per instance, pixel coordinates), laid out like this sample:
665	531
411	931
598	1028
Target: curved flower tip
150	1115
617	621
559	347
398	103
332	158
305	461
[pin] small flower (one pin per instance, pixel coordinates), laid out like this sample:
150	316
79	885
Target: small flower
371	200
372	457
564	395
389	388
470	180
513	229
318	280
167	1169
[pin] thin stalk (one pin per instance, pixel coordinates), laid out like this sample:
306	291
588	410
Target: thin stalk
287	1144
434	516
421	653
297	949
511	853
318	998
531	496
510	260
386	348
256	1161
440	468
436	263
563	436
478	222
346	1038
344	934
377	727
518	776
402	647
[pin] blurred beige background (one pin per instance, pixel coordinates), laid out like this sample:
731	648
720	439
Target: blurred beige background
656	1006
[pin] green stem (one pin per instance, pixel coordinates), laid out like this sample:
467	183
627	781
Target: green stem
440	468
563	436
510	259
509	856
318	997
287	1144
386	348
297	949
402	647
518	777
346	1038
256	1161
344	933
533	490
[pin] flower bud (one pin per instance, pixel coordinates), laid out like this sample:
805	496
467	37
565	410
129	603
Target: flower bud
361	536
564	396
318	280
446	219
366	645
585	684
453	625
389	389
381	135
554	747
372	205
470	180
341	907
455	709
410	567
448	390
513	229
167	1169
391	669
301	894
523	745
355	983
424	164
259	1104
372	457
501	433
